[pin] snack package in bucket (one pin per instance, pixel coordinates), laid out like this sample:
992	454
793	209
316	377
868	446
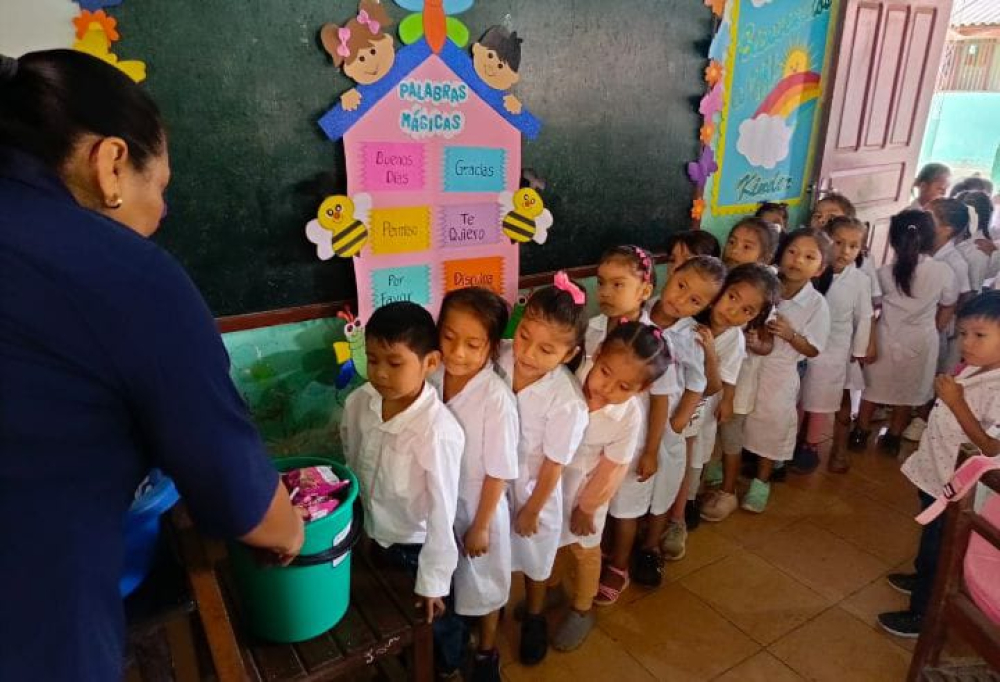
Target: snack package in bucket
316	490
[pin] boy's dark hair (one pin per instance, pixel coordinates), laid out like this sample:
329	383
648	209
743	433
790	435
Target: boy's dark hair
757	275
698	242
984	306
984	210
406	323
952	213
52	98
557	307
636	257
773	207
911	234
506	44
765	235
485	305
972	183
707	266
845	204
646	342
931	172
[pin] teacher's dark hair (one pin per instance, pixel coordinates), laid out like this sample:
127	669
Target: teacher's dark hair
49	99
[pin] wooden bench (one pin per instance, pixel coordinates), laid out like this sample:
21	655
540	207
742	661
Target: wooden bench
380	624
951	608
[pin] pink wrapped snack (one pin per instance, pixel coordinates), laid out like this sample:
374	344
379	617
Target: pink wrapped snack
314	490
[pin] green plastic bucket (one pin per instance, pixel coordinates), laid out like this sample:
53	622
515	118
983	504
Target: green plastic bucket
305	599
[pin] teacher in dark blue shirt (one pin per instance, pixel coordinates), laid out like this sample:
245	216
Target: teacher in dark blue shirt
110	364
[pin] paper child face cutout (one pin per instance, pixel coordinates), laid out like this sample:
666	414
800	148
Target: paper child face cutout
497	58
372	62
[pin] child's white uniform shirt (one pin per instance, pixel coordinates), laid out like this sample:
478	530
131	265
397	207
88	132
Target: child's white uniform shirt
850	301
408	470
613	432
933	463
770	430
553	418
487	411
597	331
978	262
730	346
907	335
952	256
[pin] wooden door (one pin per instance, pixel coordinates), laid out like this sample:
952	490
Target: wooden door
886	63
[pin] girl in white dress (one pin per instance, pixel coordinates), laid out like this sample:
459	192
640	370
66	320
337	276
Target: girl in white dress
470	327
931	183
951	223
626	279
824	387
918	300
747	298
538	365
630	359
980	251
799	330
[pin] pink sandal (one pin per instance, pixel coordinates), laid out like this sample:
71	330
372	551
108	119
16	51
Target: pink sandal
607	595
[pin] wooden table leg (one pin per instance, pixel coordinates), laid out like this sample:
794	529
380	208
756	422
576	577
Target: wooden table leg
423	653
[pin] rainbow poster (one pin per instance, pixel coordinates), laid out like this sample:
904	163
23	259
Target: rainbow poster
774	65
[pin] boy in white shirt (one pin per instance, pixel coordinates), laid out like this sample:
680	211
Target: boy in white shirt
406	448
967	410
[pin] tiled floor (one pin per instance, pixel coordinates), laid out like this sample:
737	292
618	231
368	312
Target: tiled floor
788	595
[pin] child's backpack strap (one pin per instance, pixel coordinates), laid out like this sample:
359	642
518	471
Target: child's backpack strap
962	481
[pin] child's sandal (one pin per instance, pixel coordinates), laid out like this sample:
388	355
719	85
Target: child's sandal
607	595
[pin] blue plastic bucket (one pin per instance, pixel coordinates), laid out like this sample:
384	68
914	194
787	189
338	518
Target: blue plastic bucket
155	496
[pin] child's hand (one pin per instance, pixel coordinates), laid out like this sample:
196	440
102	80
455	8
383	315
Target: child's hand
647	466
526	523
948	390
433	607
705	338
781	327
476	541
350	100
724	411
679	426
986	246
581	523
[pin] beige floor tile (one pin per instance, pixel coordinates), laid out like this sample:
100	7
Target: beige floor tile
750	530
705	546
837	646
676	636
760	668
601	658
876	598
872	526
820	560
754	595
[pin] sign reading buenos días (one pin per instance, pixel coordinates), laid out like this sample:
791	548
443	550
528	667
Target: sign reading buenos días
774	70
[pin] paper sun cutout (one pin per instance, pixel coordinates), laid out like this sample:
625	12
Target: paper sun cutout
362	47
527	219
340	226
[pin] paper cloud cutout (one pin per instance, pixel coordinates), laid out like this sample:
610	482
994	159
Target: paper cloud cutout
30	25
759	3
764	140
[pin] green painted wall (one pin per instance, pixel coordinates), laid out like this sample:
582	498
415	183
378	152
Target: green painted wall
963	131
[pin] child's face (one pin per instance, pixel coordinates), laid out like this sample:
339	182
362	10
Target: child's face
616	376
738	304
773	217
621	291
395	371
980	341
372	61
824	212
540	346
935	189
679	255
465	343
495	73
743	246
847	244
687	293
801	261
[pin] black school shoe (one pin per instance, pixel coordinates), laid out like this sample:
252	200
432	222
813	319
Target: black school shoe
901	623
806	459
692	515
534	639
858	440
902	582
889	444
486	666
647	569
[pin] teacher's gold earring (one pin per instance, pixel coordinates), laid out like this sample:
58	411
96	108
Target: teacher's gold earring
114	202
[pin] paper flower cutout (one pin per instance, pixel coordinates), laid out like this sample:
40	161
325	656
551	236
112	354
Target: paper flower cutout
716	5
699	170
96	42
711	103
88	19
697	208
707	132
713	73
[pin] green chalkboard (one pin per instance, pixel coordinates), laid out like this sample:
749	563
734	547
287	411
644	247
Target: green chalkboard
242	83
